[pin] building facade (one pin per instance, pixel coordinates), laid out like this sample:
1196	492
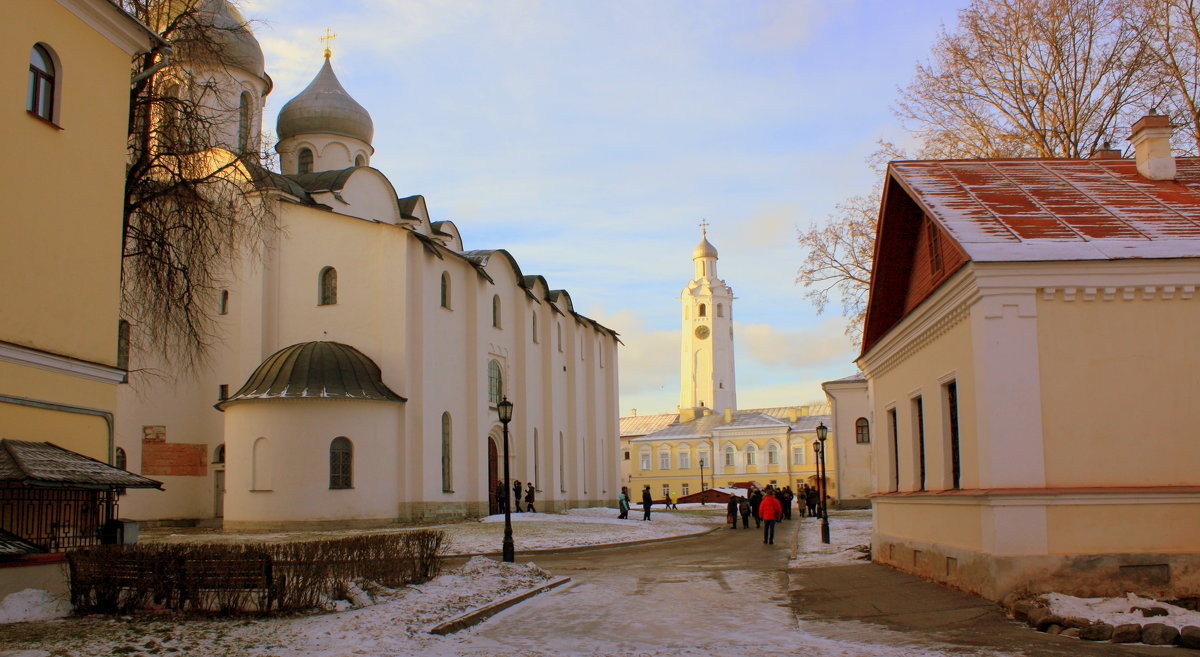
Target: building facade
1030	359
853	466
363	355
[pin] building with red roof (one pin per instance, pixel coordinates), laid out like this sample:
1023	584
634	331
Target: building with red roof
1014	306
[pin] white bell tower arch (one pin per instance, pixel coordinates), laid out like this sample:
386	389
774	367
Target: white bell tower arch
706	365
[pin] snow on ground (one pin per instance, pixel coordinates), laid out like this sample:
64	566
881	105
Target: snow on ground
531	531
32	605
1120	611
848	532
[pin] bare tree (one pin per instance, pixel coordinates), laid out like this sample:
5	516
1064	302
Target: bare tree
1170	34
190	210
1030	78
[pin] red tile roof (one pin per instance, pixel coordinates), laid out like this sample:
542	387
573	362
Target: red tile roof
1026	210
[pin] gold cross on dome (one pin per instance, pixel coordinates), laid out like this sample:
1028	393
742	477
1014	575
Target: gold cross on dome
329	36
704	227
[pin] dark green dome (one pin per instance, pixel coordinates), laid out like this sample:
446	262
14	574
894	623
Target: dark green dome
315	370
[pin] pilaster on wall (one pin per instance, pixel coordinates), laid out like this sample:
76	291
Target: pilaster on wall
1008	381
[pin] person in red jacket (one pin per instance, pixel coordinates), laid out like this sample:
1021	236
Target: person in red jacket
769	510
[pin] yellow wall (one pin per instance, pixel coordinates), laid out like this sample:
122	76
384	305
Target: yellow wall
1115	528
761	472
955	525
1130	397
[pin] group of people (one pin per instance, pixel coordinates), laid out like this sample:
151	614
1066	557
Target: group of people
623	503
770	506
529	495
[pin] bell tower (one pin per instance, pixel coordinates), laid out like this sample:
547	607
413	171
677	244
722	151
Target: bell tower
706	365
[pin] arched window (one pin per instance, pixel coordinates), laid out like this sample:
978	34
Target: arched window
535	333
219	454
495	382
42	82
720	310
751	455
223	305
245	117
305	161
703	311
730	456
120	460
327	292
360	160
445	289
261	465
772	454
446	463
496	310
862	430
341	463
559	326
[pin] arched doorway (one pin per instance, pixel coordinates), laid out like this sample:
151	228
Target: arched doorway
493	476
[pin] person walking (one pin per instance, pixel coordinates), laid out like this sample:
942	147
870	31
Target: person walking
647	502
744	508
770	512
517	495
731	511
802	500
529	495
669	504
756	498
623	503
786	502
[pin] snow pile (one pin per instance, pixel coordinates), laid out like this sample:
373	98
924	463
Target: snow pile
849	538
1120	611
32	605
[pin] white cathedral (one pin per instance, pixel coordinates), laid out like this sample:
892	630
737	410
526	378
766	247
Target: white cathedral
364	352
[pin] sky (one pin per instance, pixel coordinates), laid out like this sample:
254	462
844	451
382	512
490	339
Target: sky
589	138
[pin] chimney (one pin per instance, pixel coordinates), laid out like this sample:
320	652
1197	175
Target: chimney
635	412
793	414
1106	152
1151	139
728	415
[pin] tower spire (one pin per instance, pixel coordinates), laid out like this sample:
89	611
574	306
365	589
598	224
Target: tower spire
706	365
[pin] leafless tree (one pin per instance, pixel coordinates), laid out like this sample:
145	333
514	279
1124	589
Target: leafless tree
190	211
1170	34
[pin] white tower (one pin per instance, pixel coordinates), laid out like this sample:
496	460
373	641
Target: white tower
706	370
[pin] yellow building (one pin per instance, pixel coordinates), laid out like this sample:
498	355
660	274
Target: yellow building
1031	357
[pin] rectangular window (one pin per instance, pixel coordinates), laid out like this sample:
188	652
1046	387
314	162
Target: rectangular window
894	440
704	460
685	460
952	411
626	455
223	392
751	455
666	490
645	461
772	457
729	458
684	488
918	412
798	456
664	460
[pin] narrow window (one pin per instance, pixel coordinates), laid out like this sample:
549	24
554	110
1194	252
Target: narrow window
684	489
535	333
772	454
645	461
495	382
560	347
445	289
261	465
666	490
751	455
562	465
626	455
223	392
952	411
720	310
496	310
219	454
894	439
341	463
685	460
327	284
305	161
223	304
704	460
703	311
664	460
862	431
446	469
123	344
360	161
537	460
120	460
245	116
729	457
798	455
42	78
918	410
935	246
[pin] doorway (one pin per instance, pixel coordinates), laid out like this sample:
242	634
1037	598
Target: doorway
218	493
493	476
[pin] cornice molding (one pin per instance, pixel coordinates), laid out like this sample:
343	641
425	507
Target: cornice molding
123	30
59	364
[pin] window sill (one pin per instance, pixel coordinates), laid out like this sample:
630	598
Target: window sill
342	488
262	490
447	491
44	120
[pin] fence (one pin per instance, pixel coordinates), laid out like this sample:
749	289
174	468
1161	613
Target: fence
238	579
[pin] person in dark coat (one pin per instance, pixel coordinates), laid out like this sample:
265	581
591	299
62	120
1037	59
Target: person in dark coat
802	499
529	495
744	509
756	497
501	497
623	503
517	495
731	511
811	501
646	502
787	502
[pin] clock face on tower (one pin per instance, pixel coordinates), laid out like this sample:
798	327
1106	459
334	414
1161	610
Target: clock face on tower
701	332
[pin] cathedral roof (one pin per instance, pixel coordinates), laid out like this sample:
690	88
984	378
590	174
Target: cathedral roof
226	38
315	370
704	249
324	107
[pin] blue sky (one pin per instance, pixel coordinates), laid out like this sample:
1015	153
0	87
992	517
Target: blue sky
589	138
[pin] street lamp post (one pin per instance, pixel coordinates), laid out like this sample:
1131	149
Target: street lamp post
822	471
508	554
702	483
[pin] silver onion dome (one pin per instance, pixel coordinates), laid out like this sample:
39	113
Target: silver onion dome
324	107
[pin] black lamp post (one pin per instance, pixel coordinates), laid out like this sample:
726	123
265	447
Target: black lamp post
819	447
505	409
702	483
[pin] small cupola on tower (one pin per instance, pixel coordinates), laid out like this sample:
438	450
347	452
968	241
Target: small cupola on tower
706	359
323	128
